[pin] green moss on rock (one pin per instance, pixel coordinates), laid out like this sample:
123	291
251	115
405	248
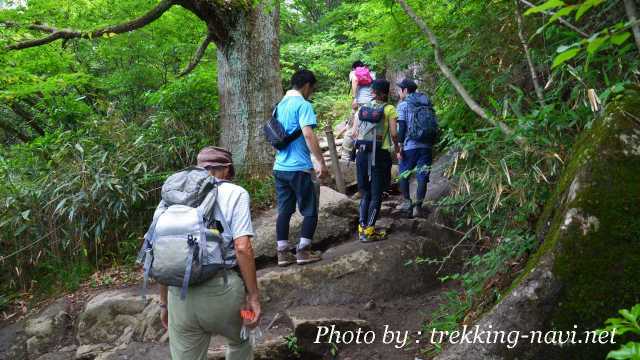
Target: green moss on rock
592	223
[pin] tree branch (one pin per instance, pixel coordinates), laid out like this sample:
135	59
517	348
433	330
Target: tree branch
527	53
66	34
561	20
630	7
444	68
27	117
22	137
195	60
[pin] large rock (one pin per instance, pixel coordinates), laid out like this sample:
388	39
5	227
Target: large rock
336	220
354	271
119	317
587	265
135	351
268	350
91	351
47	328
307	321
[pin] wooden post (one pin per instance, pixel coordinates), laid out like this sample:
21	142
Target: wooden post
335	162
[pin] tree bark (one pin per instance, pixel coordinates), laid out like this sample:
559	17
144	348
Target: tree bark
66	34
197	56
527	53
444	68
632	13
249	85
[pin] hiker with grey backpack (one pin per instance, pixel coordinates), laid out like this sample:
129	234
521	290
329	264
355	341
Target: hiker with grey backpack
417	132
198	248
376	138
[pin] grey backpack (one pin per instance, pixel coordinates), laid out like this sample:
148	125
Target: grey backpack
184	245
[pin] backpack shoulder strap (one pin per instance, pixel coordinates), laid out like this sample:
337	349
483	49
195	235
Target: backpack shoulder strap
207	206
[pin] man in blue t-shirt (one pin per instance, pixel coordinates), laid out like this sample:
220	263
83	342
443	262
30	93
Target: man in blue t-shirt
294	174
414	155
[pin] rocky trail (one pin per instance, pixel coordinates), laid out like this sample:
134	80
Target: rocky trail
356	287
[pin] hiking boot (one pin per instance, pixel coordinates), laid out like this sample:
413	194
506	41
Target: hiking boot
286	258
419	211
307	256
369	234
405	207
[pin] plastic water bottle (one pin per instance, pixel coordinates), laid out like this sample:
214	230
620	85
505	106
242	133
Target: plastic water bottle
253	335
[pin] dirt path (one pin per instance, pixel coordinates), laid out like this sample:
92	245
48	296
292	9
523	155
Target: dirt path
356	289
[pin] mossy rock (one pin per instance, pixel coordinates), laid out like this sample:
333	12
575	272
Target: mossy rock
588	265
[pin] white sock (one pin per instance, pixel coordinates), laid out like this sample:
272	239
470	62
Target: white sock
283	245
304	242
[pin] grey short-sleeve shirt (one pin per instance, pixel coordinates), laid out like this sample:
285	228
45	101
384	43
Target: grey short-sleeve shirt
233	210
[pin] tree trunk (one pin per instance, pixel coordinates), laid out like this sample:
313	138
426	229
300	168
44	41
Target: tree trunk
527	53
630	7
249	85
246	34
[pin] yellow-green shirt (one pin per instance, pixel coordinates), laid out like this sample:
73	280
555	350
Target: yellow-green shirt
383	127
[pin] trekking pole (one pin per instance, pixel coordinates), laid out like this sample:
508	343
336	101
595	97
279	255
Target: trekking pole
335	162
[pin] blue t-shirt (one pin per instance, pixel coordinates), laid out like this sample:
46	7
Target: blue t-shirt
295	112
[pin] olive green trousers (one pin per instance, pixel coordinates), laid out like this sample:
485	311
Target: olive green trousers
210	308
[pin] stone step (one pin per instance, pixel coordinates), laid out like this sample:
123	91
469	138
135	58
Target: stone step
353	270
303	323
337	219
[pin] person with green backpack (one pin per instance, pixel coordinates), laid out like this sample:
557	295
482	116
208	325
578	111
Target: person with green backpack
376	137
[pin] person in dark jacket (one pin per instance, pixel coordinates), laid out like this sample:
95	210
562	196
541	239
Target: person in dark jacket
414	156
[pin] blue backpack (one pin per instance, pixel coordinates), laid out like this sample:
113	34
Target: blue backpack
424	125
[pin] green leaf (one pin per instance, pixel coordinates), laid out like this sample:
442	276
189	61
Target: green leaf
59	206
586	6
564	57
550	4
619	39
595	44
630	350
563	48
79	148
25	214
562	12
21	229
627	315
